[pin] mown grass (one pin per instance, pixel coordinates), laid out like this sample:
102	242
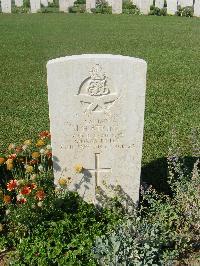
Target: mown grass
170	45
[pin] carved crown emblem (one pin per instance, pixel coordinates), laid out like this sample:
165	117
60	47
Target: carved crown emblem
98	82
94	92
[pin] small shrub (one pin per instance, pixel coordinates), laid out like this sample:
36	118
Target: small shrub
20	10
187	11
102	7
48	10
54	4
155	11
26	3
129	8
78	7
163	230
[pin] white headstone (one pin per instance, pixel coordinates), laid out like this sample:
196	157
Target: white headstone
117	6
144	6
159	3
197	8
184	3
6	6
96	107
171	7
19	3
35	6
90	4
44	3
151	2
64	5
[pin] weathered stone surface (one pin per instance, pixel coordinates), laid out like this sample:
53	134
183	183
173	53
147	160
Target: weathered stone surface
44	3
159	3
96	107
117	6
197	8
171	7
35	6
6	6
144	6
64	6
90	4
184	3
19	3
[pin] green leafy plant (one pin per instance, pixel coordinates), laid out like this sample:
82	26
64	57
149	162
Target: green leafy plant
155	11
102	7
129	8
187	11
78	7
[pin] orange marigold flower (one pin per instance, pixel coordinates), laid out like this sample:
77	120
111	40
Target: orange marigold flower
44	134
35	155
33	186
2	160
12	185
40	195
7	199
25	190
12	156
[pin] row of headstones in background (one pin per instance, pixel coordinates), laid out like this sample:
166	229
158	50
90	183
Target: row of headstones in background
143	5
35	5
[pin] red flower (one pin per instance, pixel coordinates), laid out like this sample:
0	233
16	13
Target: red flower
40	195
49	154
25	190
22	200
33	162
45	134
12	185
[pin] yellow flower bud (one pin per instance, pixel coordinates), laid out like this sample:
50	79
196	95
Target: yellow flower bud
35	155
10	166
40	143
29	169
27	142
9	161
64	181
78	168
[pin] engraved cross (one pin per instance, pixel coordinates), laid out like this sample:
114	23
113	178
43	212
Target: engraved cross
98	170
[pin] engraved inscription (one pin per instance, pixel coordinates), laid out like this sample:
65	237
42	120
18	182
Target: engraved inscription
94	93
97	134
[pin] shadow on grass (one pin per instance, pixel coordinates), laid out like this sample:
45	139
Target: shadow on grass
156	173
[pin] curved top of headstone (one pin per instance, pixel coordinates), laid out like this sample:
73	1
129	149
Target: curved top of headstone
98	56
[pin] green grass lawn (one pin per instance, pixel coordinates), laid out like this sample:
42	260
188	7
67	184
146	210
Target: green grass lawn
170	45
